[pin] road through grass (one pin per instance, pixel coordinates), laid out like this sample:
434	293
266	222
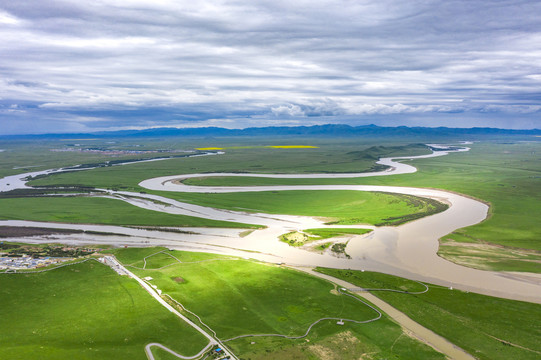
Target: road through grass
487	327
256	298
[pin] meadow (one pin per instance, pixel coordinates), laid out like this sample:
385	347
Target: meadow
85	311
487	327
20	156
95	210
341	207
334	156
258	298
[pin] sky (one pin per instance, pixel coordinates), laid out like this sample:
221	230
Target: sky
84	66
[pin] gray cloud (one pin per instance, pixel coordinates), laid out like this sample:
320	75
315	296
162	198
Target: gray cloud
68	65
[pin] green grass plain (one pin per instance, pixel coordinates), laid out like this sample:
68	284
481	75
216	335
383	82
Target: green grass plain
85	311
505	173
21	156
339	207
332	156
487	327
94	210
256	298
480	254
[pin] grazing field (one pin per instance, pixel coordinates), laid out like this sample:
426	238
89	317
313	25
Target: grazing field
487	327
92	210
329	157
85	311
257	298
480	254
339	207
21	156
262	298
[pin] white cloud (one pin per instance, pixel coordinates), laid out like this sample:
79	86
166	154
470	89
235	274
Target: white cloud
8	19
280	59
288	110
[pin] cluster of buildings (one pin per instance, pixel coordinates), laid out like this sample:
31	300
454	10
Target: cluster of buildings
27	262
102	151
113	152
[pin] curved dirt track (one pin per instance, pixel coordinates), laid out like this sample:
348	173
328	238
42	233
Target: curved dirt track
439	343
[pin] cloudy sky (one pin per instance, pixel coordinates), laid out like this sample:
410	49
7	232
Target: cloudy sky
114	64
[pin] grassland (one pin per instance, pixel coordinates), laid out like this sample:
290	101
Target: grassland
338	207
85	311
92	210
335	157
255	298
487	327
22	156
479	254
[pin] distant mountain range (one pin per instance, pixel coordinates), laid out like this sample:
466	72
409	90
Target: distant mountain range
301	131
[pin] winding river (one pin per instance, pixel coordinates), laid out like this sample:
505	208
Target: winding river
408	250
